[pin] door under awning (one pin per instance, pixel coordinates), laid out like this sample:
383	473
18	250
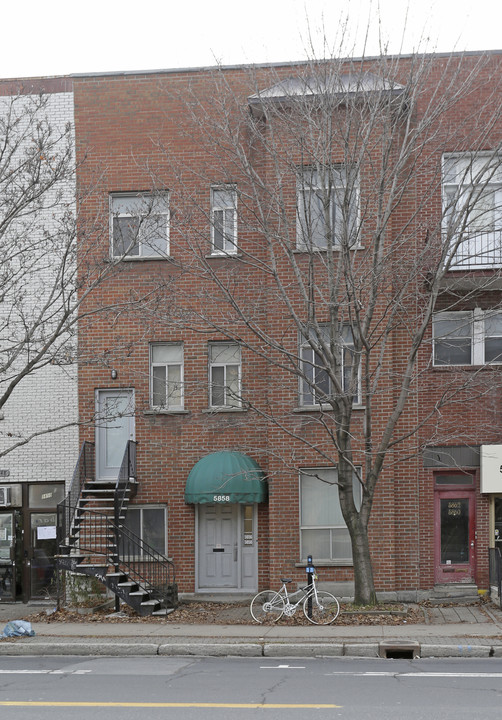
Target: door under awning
226	476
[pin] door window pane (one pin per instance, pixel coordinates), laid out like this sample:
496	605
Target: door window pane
454	531
44	545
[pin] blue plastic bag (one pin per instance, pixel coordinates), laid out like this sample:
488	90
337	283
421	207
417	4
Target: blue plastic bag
18	628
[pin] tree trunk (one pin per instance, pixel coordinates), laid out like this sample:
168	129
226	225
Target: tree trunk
364	588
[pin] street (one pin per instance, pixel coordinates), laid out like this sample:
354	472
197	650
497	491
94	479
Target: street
83	688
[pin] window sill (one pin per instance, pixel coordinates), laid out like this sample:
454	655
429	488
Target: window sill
322	408
464	368
141	258
335	248
219	256
327	563
224	410
155	411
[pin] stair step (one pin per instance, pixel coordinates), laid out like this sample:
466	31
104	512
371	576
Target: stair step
163	612
128	584
150	603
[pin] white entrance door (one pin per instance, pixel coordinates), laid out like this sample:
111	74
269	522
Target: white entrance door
114	427
218	551
226	547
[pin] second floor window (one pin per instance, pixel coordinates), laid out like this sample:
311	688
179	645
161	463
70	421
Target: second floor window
166	381
467	337
224	375
139	225
223	220
327	207
316	386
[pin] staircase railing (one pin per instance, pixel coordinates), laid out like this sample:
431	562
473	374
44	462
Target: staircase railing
66	510
151	570
145	565
126	485
496	571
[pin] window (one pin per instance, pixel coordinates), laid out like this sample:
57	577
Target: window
166	376
472	198
223	220
467	338
224	375
315	385
139	225
323	532
147	523
327	206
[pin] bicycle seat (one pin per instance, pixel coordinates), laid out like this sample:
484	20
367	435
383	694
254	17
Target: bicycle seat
286	580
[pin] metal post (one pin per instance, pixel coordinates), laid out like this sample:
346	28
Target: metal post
310	572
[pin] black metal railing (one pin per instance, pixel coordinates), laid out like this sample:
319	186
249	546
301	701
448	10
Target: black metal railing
95	541
67	509
145	565
126	481
496	571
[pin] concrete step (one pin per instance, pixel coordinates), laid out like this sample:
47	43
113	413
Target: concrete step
461	593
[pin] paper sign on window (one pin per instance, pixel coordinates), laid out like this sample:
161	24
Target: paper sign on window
46	532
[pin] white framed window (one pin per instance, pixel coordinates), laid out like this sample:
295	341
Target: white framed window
327	207
323	532
147	522
315	384
139	225
223	220
472	337
224	375
166	376
472	202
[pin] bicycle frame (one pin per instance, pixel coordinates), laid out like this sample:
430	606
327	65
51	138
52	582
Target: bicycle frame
306	592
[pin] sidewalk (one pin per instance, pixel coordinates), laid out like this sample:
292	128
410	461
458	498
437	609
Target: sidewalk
454	631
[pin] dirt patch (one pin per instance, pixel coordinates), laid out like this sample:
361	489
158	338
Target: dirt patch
193	613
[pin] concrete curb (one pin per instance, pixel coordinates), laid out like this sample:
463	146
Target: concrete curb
23	647
212	649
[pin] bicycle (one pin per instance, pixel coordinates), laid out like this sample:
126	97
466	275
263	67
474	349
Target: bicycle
273	604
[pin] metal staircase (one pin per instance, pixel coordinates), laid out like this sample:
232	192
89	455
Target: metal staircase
93	540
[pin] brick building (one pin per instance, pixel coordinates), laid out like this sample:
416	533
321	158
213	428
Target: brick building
255	218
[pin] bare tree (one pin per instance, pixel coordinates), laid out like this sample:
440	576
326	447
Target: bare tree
350	200
44	294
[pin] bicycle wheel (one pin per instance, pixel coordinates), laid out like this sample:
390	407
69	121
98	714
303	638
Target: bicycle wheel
325	609
267	605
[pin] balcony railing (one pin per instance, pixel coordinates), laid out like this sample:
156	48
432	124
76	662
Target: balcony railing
482	251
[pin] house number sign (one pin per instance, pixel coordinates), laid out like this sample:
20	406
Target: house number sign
221	498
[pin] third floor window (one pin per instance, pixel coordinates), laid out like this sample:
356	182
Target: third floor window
472	200
327	207
223	220
139	225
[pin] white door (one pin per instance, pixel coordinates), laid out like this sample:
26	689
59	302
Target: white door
227	549
218	551
114	427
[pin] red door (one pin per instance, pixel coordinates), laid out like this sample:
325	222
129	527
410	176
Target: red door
455	541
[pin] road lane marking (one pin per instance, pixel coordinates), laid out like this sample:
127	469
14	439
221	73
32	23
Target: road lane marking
419	674
44	672
282	667
263	706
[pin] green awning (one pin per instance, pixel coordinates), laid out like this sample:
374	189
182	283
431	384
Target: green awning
228	477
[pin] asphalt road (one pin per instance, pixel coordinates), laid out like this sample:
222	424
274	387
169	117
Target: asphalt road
221	688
